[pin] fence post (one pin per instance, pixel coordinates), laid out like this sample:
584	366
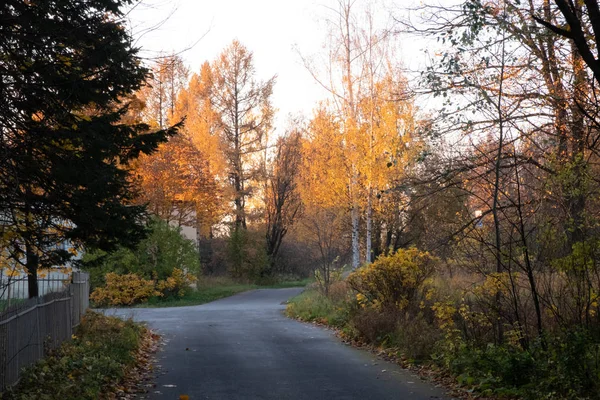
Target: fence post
80	291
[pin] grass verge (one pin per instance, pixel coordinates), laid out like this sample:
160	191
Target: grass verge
211	289
312	306
95	364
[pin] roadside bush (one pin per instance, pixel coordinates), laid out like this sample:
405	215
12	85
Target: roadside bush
415	337
246	256
396	282
155	258
129	289
124	290
176	284
572	357
500	370
88	367
557	366
373	326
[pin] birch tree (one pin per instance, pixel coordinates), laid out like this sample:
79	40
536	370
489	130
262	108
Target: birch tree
357	58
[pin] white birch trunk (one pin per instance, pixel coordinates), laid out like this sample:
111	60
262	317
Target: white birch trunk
369	256
355	241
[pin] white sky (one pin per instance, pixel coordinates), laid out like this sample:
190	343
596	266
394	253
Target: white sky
272	29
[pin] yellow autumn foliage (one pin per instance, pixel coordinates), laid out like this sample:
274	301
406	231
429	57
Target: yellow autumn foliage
128	289
176	283
124	290
394	282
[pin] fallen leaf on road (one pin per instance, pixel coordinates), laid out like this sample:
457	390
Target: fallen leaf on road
184	397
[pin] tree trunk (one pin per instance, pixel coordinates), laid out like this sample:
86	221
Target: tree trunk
576	192
32	269
369	251
498	238
355	238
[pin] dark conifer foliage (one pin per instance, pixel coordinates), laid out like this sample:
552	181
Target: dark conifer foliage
66	70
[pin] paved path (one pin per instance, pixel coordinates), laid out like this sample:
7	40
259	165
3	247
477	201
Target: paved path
243	348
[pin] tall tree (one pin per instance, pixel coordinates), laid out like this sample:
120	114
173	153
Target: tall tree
282	193
168	77
201	128
357	59
242	105
177	185
64	152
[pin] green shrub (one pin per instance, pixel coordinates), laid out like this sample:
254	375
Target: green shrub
559	367
573	358
247	257
155	257
164	250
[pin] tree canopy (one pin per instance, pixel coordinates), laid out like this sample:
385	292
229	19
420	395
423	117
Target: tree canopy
67	68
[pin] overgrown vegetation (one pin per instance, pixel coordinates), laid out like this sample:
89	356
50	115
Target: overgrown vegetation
89	367
155	258
397	303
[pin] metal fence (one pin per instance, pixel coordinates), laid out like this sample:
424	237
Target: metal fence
30	328
14	289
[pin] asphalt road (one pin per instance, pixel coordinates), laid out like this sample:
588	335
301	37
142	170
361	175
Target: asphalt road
243	347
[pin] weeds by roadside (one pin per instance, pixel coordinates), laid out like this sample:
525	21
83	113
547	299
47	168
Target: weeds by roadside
103	356
390	307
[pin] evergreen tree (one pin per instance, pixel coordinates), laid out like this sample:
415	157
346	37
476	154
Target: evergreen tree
66	67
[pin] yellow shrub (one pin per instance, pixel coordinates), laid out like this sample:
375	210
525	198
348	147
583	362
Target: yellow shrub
124	290
176	283
394	282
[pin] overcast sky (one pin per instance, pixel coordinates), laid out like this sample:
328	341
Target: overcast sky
275	30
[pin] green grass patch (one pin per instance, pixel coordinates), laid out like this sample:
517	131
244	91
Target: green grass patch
87	367
194	297
211	289
287	284
312	306
5	304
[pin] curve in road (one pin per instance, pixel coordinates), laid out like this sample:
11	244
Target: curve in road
244	348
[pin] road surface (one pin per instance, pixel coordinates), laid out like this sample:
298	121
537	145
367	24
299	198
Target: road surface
244	348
